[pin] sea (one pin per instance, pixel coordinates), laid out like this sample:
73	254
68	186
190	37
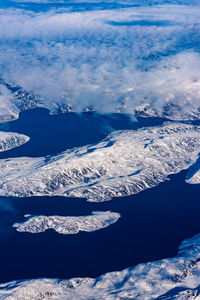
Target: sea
153	223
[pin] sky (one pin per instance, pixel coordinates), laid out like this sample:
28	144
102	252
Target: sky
104	55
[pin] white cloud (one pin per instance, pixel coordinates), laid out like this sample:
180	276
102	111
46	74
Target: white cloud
78	58
8	111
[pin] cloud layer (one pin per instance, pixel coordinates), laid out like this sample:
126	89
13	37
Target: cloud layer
114	59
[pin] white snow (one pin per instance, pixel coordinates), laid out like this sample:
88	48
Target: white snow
125	163
68	225
195	179
167	279
10	140
193	174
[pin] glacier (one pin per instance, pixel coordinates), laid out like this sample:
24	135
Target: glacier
68	225
167	279
125	163
10	140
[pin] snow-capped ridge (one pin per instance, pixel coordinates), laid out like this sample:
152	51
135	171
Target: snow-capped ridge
10	140
125	163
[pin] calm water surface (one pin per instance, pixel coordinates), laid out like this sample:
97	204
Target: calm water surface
152	224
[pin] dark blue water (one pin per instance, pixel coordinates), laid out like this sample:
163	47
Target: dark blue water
51	134
152	224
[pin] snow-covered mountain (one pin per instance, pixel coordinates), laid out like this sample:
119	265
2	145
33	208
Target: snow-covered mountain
10	140
21	100
125	163
168	279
